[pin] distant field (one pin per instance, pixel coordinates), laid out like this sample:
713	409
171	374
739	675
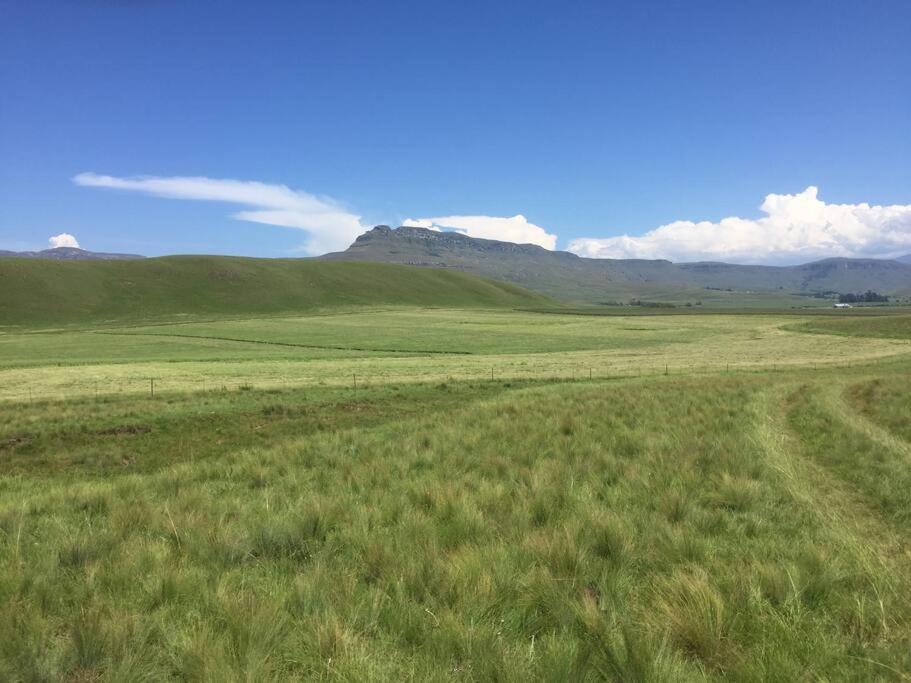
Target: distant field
884	327
409	345
414	493
624	292
597	292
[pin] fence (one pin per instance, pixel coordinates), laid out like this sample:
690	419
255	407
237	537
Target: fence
163	386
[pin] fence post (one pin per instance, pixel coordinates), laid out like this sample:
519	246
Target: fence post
151	386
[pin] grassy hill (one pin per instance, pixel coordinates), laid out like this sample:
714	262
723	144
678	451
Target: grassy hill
44	292
567	276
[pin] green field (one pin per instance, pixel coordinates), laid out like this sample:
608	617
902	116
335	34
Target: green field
407	345
389	492
894	326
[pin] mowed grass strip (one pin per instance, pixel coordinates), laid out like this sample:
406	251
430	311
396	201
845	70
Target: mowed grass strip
628	531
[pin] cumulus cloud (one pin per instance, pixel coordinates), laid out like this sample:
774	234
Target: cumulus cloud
328	225
64	239
516	229
795	228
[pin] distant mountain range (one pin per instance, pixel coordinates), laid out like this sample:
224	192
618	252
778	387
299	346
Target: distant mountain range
69	254
566	276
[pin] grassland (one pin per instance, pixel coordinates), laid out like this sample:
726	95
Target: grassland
38	292
882	326
408	345
503	495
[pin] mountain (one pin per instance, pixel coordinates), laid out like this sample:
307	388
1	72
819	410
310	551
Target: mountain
564	275
69	254
904	259
46	292
827	275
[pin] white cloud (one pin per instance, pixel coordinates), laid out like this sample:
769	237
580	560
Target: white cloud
796	228
64	239
516	229
328	225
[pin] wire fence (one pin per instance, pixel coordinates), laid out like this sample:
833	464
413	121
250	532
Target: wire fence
159	386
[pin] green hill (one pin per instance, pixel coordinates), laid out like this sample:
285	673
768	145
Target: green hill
44	292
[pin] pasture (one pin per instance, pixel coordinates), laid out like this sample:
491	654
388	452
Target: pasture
457	494
405	345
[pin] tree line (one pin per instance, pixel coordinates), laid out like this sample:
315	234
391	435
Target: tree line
867	297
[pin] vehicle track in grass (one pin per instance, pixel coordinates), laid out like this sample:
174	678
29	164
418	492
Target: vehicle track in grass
852	522
837	402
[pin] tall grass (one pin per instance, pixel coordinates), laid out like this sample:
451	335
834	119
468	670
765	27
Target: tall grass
632	530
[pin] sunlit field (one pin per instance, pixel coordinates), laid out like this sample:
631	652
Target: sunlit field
410	345
441	494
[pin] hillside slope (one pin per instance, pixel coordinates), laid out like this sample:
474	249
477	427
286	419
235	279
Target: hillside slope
44	292
565	275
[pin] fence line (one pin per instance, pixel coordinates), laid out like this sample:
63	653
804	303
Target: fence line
157	386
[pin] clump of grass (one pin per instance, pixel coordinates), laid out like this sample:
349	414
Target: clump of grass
89	644
734	493
694	614
610	539
675	506
83	548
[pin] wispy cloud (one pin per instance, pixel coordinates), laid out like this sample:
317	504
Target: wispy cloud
516	229
328	225
64	239
795	228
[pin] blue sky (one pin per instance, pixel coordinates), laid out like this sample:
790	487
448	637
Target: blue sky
593	121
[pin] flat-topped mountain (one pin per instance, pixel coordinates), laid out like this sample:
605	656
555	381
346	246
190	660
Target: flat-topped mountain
69	254
566	275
